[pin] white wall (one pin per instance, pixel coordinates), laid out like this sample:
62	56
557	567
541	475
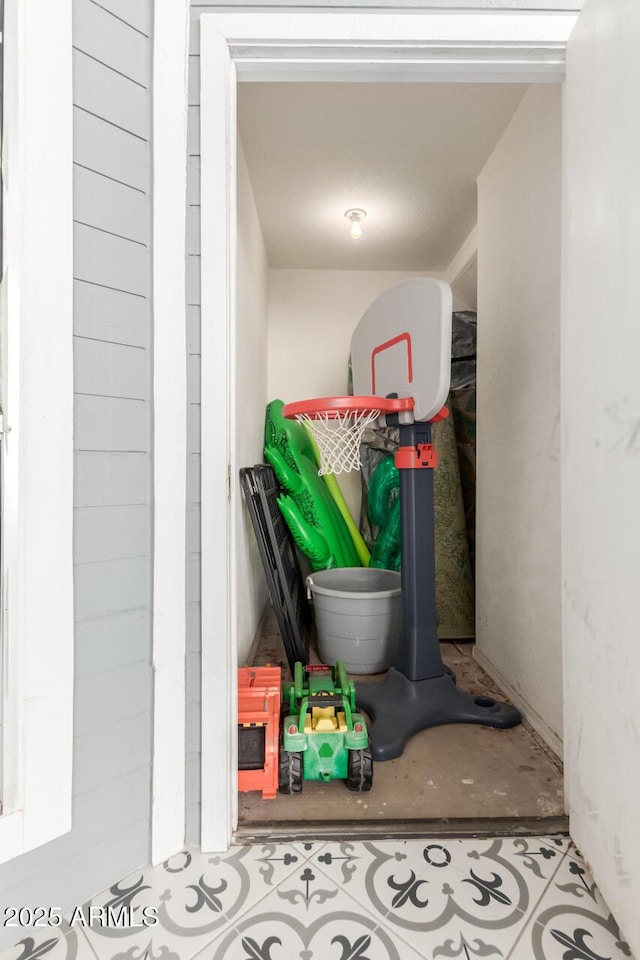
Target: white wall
462	274
251	394
312	315
601	450
518	409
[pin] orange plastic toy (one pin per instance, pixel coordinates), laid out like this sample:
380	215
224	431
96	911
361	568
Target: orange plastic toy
258	729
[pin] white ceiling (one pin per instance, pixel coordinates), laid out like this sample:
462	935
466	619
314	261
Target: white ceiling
409	154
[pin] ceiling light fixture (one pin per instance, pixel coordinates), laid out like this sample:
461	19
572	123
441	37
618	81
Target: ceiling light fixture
355	216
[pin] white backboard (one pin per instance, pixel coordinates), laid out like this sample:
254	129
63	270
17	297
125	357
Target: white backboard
402	345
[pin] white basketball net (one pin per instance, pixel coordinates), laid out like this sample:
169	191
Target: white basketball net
338	436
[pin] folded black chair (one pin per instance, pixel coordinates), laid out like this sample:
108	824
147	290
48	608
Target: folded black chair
278	554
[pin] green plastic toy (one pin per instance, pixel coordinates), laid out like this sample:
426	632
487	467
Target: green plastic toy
383	508
334	489
311	513
323	737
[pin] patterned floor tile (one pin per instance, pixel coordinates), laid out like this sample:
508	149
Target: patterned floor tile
311	918
573	882
194	897
508	872
362	869
559	842
453	936
511	898
571	920
452	896
265	863
50	943
308	849
414	883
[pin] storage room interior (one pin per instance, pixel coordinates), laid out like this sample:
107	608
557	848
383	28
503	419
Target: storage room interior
460	182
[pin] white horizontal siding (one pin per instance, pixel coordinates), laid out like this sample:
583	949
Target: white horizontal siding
108	39
111	533
109	205
105	93
193	274
193	180
193	329
193	432
137	14
193	732
193	718
193	637
193	477
113	475
111	369
110	423
112	315
193	722
193	374
104	148
193	230
111	478
116	760
193	131
110	261
124	796
118	693
110	643
109	586
194	79
194	592
193	526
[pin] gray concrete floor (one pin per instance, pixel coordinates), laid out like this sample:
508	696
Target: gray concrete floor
456	772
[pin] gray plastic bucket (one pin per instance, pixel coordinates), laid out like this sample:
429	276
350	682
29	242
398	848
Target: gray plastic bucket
358	612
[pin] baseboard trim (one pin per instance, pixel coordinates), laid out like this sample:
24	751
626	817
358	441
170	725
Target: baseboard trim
542	728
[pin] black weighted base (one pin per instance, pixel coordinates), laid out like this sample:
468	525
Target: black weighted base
399	708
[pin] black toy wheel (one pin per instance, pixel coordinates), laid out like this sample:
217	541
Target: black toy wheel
289	771
360	770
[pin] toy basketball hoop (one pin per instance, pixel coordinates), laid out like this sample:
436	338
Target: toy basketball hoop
401	347
337	424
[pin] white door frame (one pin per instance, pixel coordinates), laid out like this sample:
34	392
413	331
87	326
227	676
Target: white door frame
293	47
36	401
170	96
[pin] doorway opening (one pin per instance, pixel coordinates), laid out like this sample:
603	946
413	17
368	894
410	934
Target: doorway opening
418	158
224	291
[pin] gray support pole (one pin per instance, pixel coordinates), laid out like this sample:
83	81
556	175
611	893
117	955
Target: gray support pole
419	654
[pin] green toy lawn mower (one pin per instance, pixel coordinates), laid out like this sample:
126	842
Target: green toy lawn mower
323	737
